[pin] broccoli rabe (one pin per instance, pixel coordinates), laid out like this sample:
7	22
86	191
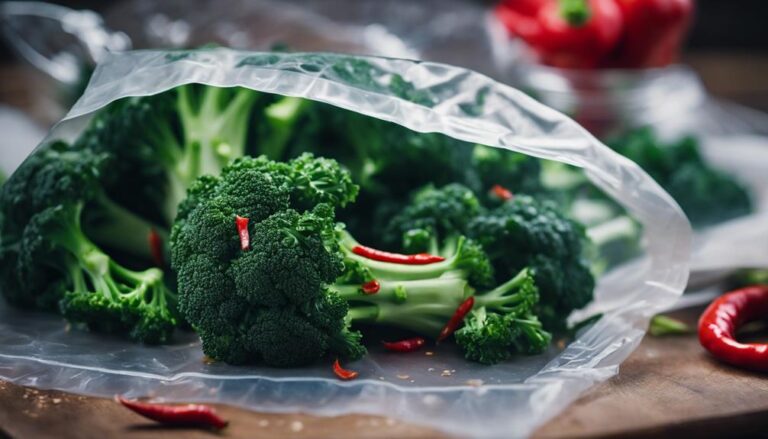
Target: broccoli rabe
292	294
48	259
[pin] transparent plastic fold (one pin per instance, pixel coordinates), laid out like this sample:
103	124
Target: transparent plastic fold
443	390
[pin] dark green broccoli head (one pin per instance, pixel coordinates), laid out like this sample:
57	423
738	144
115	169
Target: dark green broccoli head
563	288
135	132
316	180
526	232
706	195
288	262
485	338
55	262
504	322
269	302
54	174
208	224
433	215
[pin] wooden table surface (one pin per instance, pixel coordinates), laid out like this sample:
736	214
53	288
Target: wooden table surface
668	386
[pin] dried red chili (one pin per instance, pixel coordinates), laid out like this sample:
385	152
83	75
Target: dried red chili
242	231
501	192
396	258
344	374
457	318
719	322
407	345
188	414
371	287
156	248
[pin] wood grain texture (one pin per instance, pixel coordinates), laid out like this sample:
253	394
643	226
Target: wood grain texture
671	387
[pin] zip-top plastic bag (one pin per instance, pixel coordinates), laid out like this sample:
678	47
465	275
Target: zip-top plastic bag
442	390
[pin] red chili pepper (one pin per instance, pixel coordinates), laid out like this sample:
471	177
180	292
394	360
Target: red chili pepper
189	414
242	231
719	322
407	345
156	248
457	318
344	374
501	192
654	32
371	287
396	258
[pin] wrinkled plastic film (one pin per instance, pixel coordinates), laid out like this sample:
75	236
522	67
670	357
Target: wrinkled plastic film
443	391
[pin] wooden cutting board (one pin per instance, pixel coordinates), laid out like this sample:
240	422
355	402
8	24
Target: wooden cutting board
669	386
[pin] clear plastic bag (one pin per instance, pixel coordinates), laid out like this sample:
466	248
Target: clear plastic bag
442	390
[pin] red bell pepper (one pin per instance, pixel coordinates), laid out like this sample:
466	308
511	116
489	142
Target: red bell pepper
577	34
520	17
654	32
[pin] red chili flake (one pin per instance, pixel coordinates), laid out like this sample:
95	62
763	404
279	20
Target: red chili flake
343	374
242	231
407	345
156	248
457	318
396	258
501	192
371	287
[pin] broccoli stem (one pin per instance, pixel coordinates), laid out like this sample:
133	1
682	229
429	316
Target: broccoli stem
106	276
500	300
213	138
281	116
426	305
121	229
452	290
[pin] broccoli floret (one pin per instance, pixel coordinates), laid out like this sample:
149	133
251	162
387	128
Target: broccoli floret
434	219
56	262
524	232
298	287
706	195
274	295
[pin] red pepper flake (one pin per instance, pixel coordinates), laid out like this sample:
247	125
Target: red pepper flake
156	248
719	322
343	374
407	345
501	192
457	318
189	414
396	258
242	231
371	287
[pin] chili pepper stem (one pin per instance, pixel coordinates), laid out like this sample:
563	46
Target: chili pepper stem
343	374
575	12
662	325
